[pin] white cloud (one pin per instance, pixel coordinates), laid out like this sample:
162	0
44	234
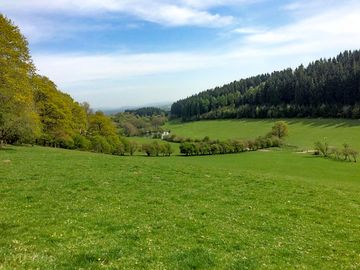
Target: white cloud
215	3
75	68
165	12
309	38
328	29
248	30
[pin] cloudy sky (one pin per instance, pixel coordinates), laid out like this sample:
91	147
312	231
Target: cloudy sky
115	53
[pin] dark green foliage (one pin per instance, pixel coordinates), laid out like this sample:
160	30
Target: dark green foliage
147	111
325	88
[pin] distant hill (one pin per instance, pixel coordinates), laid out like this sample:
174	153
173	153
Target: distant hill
325	88
147	111
165	106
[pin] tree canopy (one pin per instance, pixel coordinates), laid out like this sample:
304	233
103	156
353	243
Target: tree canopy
18	119
34	110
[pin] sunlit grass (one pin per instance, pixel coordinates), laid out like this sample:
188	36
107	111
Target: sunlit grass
68	210
302	132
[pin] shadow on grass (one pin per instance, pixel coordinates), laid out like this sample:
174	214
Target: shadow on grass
312	122
6	148
325	122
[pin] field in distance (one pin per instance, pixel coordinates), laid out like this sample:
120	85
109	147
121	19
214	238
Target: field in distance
303	133
275	209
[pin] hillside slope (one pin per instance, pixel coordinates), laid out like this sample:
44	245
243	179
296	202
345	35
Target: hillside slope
64	209
325	88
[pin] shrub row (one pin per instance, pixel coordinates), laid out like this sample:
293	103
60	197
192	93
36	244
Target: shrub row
209	147
100	144
155	149
178	139
346	153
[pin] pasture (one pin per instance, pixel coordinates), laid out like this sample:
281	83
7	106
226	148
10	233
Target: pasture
302	132
278	209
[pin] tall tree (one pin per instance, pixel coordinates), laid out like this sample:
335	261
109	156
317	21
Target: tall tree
18	118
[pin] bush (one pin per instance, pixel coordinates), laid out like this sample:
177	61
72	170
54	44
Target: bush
349	153
329	151
64	142
155	149
120	149
131	147
322	148
100	144
81	142
187	148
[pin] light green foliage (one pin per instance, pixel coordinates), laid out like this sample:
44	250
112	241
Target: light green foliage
100	144
60	116
155	148
131	147
131	124
100	124
32	109
347	153
18	120
322	148
66	209
81	142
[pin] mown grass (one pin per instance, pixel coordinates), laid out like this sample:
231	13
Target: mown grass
64	209
303	132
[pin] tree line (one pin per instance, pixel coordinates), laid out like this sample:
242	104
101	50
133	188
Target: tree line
33	110
325	88
214	147
147	111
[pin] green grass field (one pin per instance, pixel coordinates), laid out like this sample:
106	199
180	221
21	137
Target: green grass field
302	132
277	209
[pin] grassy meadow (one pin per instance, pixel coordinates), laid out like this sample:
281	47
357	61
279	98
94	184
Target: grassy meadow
277	209
302	132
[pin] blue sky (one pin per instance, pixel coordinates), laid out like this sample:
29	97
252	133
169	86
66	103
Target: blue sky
115	53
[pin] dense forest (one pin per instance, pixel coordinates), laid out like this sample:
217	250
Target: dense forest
325	88
147	111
